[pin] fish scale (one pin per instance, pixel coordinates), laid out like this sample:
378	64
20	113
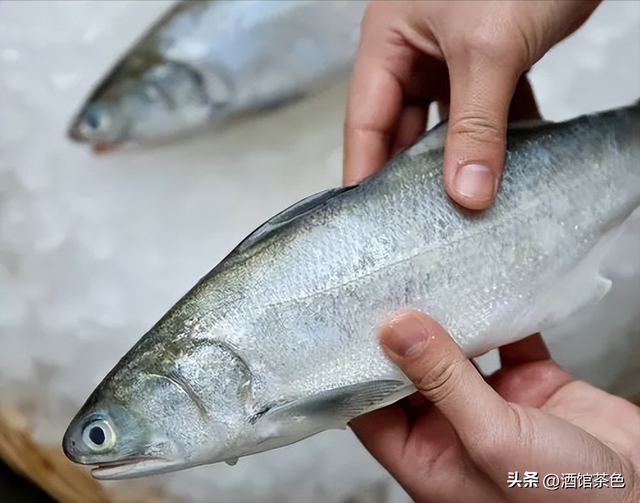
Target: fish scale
284	328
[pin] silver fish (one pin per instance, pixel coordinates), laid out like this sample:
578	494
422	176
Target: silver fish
278	342
207	60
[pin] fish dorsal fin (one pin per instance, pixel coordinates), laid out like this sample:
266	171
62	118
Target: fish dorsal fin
291	213
431	140
528	124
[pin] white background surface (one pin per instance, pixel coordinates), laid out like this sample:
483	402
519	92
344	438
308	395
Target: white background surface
94	249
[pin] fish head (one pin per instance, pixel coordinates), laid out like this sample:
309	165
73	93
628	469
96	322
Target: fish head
168	404
145	97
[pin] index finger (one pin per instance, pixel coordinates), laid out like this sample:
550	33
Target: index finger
374	103
373	110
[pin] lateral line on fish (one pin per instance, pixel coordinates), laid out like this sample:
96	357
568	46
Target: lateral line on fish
484	230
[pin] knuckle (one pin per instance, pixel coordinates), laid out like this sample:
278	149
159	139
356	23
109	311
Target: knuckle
520	427
494	43
366	130
474	129
440	381
484	42
514	431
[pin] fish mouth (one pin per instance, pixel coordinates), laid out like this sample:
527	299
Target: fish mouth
104	148
132	468
74	134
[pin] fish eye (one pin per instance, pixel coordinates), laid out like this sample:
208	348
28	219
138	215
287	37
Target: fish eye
96	118
98	435
93	120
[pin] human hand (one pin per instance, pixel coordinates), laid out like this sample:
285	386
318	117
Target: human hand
457	439
469	56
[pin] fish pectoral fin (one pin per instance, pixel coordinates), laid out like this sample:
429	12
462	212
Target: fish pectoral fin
333	409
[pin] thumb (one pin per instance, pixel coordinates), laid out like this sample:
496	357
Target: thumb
428	356
476	138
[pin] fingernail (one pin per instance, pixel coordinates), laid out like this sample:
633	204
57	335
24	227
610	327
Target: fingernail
404	335
476	181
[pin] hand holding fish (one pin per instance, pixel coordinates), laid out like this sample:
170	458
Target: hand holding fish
469	56
460	436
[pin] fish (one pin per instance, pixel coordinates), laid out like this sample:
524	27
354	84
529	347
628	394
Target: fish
279	341
204	62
